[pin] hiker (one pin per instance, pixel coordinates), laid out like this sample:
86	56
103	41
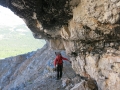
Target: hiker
58	63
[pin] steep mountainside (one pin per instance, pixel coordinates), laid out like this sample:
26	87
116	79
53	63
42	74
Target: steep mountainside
89	31
32	71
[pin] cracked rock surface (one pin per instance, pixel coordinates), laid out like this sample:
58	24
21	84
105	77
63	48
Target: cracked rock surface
88	30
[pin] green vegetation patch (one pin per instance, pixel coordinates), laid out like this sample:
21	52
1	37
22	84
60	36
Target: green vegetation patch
17	40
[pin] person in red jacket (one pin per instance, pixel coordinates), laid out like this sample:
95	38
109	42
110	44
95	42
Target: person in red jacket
58	63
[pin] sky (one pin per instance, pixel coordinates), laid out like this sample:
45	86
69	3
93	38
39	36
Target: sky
8	18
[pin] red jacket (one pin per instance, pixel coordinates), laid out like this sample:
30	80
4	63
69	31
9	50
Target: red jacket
58	59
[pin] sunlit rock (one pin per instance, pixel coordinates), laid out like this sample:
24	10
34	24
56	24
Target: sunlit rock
89	31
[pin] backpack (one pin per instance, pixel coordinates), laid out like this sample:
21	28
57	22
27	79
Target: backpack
59	60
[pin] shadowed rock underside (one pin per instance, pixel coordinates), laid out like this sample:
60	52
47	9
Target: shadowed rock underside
89	31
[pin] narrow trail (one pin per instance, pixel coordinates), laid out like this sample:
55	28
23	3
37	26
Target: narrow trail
34	72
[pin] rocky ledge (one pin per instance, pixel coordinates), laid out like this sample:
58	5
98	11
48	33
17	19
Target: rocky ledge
89	31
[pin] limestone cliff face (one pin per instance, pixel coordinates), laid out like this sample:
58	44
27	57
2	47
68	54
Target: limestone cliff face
89	31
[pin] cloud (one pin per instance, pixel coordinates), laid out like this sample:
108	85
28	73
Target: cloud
1	37
8	18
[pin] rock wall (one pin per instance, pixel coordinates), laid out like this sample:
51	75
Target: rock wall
89	31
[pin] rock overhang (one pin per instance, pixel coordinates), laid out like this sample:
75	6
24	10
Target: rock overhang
62	21
42	15
89	31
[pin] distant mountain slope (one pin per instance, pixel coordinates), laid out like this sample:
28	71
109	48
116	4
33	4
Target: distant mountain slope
17	40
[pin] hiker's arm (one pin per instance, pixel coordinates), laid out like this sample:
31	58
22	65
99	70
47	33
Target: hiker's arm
66	59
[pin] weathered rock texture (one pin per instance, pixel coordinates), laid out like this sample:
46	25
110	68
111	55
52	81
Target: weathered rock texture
89	31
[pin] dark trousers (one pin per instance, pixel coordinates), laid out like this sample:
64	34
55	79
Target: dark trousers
59	71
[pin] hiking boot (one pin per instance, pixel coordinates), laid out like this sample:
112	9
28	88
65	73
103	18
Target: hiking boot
60	77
